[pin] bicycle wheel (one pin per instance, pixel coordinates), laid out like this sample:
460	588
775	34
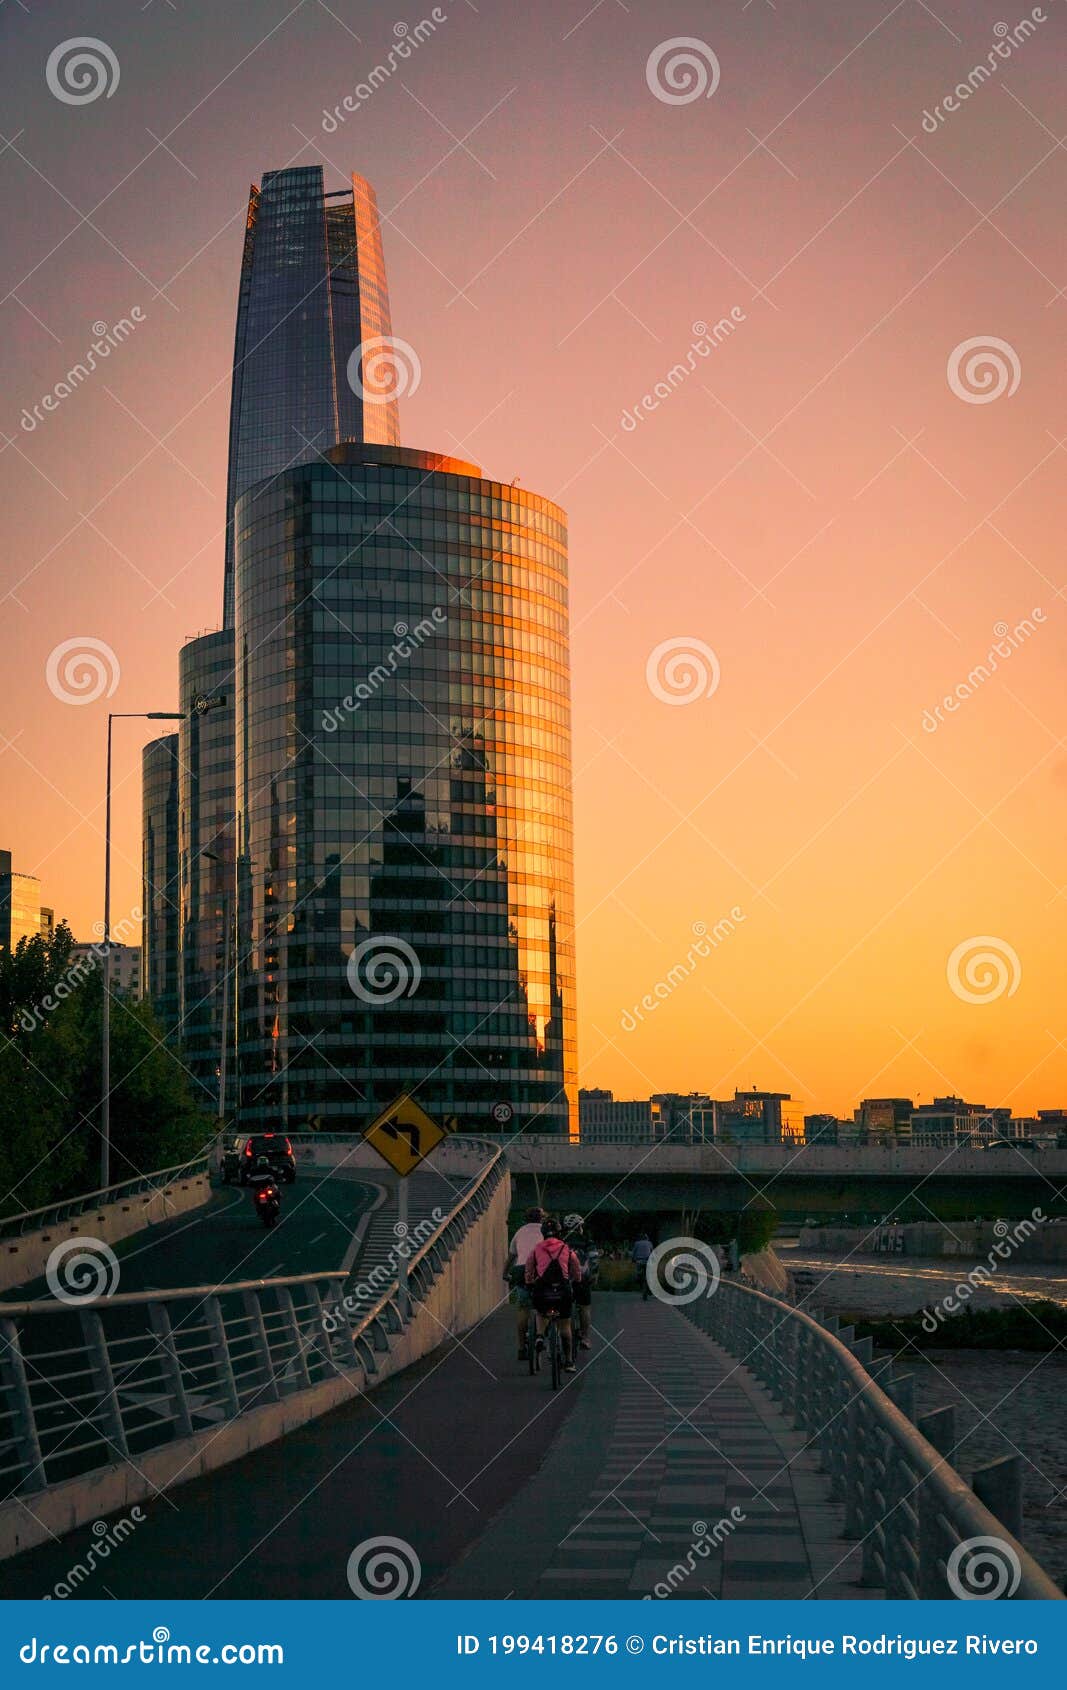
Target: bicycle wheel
531	1345
554	1352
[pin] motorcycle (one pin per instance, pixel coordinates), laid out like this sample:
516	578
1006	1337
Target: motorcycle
266	1199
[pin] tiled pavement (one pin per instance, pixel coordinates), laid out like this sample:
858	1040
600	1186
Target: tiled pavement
676	1476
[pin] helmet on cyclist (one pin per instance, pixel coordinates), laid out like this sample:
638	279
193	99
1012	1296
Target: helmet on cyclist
551	1228
574	1223
534	1216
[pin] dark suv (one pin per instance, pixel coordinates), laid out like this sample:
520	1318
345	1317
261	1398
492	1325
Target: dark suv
241	1155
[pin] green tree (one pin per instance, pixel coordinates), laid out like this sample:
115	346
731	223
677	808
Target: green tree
50	1068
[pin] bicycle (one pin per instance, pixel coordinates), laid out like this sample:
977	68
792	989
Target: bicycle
554	1344
533	1354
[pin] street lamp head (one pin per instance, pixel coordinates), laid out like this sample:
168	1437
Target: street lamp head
165	715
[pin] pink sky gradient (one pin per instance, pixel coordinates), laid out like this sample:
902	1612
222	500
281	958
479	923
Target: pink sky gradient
814	502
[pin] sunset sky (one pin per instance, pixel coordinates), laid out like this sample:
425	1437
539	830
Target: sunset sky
820	500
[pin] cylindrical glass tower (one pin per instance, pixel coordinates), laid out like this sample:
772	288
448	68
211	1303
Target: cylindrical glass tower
206	842
404	796
160	895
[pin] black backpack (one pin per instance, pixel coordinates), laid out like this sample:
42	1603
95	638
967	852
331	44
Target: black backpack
553	1278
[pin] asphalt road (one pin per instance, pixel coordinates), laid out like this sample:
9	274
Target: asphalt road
225	1241
431	1456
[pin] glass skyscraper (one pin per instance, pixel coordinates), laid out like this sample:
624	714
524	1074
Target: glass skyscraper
206	852
380	812
312	291
160	878
404	795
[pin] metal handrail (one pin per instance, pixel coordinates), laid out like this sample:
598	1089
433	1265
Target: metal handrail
904	1501
34	1220
110	1378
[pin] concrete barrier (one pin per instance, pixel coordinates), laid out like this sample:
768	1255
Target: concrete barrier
465	1292
24	1256
964	1240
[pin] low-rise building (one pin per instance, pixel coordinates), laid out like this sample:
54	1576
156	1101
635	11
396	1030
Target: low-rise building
949	1122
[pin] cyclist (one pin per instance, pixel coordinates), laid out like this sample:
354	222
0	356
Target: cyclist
552	1272
589	1258
639	1255
526	1239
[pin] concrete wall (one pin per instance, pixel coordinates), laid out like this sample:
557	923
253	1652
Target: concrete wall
706	1160
23	1259
964	1240
467	1291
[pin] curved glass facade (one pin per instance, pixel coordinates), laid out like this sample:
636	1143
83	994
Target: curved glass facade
159	878
404	796
312	288
206	844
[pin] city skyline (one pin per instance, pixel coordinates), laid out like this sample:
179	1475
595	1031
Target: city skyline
848	574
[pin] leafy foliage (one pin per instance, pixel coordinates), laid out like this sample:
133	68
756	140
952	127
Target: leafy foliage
50	1035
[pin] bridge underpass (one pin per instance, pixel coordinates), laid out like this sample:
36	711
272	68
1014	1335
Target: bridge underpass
818	1182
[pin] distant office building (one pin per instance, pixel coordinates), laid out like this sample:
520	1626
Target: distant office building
748	1117
605	1119
821	1129
125	971
884	1117
160	878
207	855
405	861
48	922
20	904
949	1122
312	290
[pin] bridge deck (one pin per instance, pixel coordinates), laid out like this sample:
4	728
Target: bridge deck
502	1488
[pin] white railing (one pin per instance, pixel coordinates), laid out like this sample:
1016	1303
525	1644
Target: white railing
81	1387
904	1503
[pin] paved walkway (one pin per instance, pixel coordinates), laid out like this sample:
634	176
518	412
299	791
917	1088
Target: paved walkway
676	1476
502	1487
